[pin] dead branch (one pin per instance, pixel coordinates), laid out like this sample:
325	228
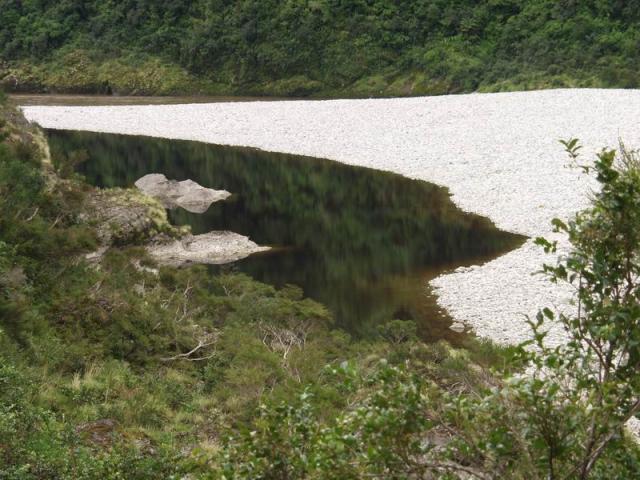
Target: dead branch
33	214
207	340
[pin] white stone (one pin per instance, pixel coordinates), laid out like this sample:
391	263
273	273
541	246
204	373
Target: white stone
213	248
186	194
457	327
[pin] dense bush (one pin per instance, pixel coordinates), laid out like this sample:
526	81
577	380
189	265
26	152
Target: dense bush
323	46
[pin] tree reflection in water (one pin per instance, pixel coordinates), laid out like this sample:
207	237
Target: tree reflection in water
363	242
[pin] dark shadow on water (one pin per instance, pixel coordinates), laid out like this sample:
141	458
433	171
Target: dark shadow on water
362	242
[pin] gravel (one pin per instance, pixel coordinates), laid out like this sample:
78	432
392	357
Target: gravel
498	154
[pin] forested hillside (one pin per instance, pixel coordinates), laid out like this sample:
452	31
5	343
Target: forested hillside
320	47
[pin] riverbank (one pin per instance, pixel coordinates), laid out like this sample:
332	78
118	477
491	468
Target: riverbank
78	74
497	153
40	99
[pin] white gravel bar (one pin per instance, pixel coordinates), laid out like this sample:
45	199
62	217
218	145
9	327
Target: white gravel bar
497	153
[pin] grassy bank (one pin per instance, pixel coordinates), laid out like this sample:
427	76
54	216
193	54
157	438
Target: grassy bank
77	73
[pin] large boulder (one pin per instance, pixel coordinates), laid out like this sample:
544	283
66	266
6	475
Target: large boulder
131	217
126	216
213	248
186	194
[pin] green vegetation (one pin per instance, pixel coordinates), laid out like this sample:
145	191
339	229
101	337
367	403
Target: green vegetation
125	371
319	47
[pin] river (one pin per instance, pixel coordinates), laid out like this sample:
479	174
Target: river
363	242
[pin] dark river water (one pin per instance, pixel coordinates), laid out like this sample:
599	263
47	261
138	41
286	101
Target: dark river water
363	242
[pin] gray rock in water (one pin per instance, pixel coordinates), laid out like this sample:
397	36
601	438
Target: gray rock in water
186	194
213	248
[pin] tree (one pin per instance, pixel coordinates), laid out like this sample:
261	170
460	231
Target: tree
571	406
398	331
598	367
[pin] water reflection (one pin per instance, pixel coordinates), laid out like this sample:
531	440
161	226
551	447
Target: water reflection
48	99
362	242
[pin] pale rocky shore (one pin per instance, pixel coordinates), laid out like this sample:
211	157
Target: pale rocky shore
497	153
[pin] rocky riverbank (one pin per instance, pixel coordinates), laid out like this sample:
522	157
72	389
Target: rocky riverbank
497	153
138	217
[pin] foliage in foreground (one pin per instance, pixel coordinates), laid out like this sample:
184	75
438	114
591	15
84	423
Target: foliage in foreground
563	418
377	47
122	372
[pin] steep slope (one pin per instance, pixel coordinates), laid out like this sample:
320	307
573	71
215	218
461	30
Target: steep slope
320	47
